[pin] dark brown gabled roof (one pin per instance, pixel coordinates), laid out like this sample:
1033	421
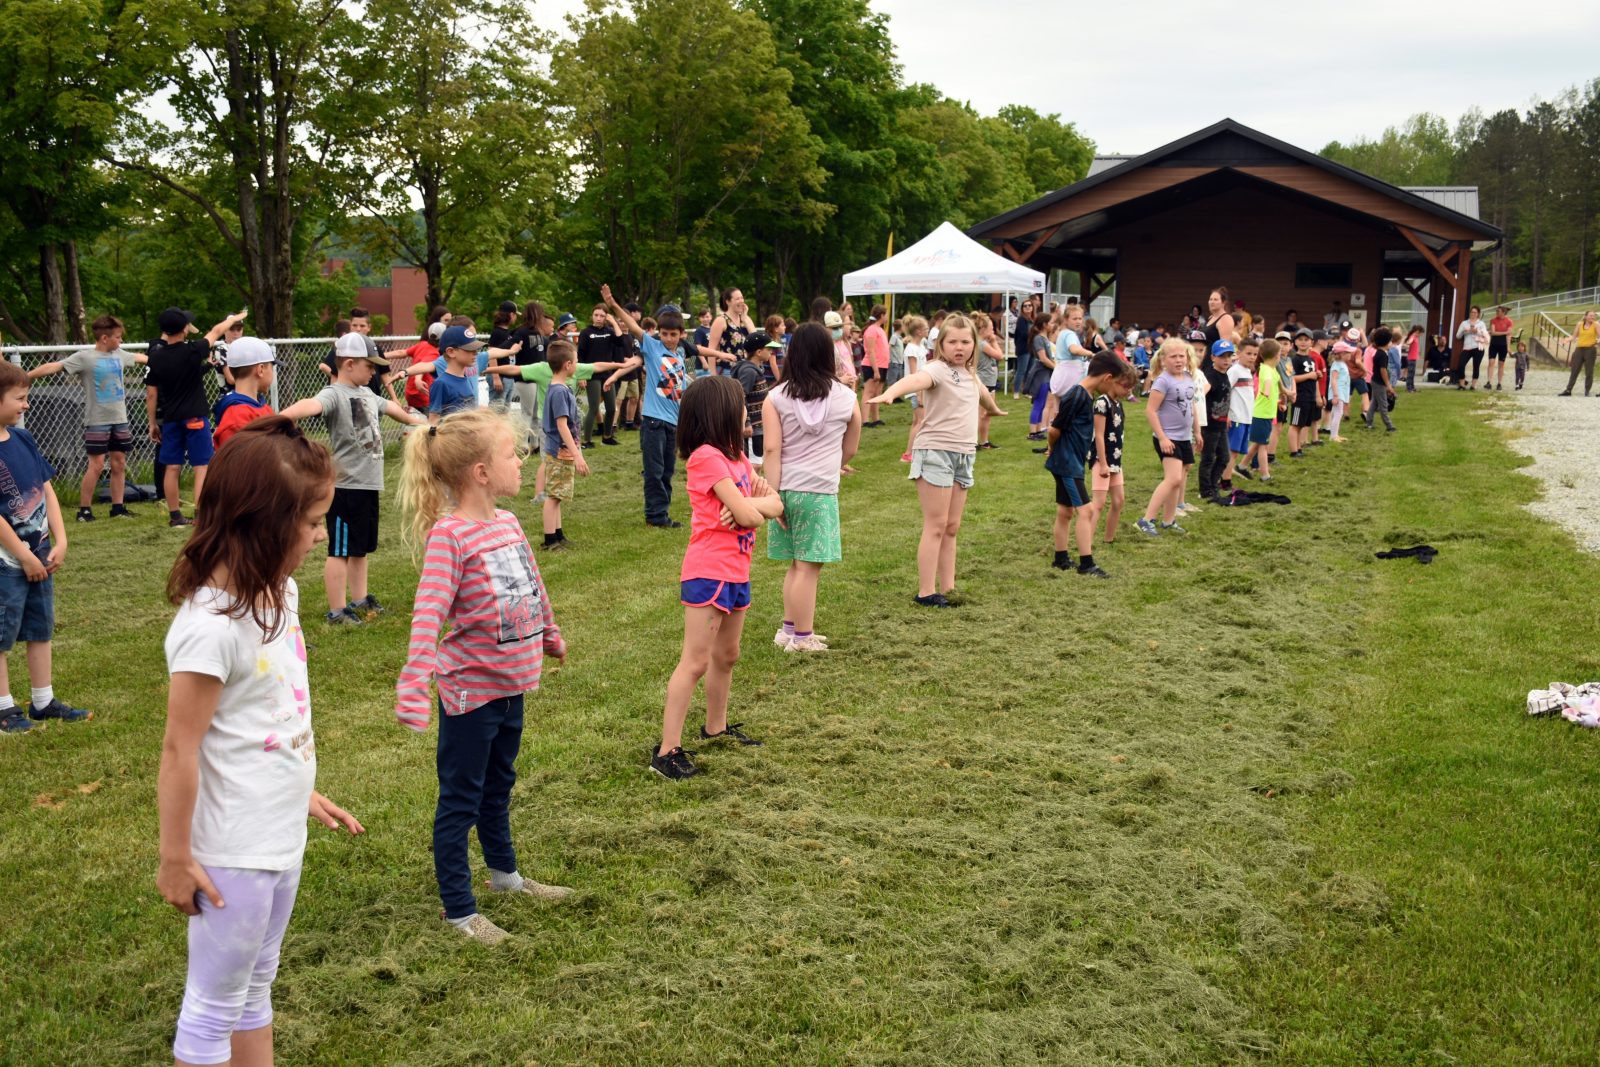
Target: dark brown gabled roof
1232	144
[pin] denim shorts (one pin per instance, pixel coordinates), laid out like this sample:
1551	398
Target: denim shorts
189	439
726	597
942	469
27	609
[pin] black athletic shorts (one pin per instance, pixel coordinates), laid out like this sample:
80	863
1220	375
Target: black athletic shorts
1498	347
1305	414
1183	450
1070	493
353	523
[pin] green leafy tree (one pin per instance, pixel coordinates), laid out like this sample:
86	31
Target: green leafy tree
680	139
261	99
459	150
66	68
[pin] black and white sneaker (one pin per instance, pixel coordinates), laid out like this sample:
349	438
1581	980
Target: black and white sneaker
120	511
1093	572
674	766
85	515
734	732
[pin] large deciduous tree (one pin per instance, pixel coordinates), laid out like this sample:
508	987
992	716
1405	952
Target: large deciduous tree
261	102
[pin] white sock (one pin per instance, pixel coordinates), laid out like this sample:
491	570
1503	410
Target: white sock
461	922
43	697
6	702
505	882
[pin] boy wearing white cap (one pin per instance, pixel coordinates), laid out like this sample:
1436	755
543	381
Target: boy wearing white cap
351	411
251	365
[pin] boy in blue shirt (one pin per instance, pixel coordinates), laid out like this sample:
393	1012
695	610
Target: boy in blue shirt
33	544
563	459
666	376
1072	448
455	389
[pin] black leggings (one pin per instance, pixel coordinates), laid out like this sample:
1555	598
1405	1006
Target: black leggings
1582	361
1476	356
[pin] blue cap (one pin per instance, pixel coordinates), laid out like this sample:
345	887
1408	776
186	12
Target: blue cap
566	320
1219	348
463	337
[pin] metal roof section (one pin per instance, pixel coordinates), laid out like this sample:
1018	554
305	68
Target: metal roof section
1462	199
1104	163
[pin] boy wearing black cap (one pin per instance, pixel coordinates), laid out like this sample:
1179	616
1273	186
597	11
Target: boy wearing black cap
455	389
351	412
175	401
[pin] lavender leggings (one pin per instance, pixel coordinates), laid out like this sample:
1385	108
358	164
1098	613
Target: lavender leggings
233	958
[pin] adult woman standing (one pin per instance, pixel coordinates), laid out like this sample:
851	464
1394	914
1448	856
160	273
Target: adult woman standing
1499	349
530	341
875	367
1474	337
1219	323
1584	339
730	331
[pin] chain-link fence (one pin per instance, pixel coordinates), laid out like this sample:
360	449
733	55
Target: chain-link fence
55	416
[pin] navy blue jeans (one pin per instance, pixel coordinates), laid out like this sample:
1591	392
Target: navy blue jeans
659	442
477	763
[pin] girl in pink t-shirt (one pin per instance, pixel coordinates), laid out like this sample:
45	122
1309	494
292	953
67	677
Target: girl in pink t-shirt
727	503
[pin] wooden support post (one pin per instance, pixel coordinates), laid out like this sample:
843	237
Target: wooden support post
1084	278
1100	287
1458	312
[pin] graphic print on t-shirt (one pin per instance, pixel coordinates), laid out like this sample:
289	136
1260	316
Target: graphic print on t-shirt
30	518
673	377
365	427
516	594
108	384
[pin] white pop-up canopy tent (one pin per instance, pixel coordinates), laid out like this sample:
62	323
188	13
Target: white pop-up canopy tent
945	261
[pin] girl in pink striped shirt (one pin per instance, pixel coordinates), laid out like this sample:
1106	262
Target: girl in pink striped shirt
479	575
727	503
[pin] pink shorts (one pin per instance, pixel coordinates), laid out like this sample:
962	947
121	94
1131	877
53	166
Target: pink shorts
1097	484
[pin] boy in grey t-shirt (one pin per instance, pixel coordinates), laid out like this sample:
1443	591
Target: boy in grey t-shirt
351	411
105	411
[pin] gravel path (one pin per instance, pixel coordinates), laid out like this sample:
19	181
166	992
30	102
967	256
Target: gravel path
1560	432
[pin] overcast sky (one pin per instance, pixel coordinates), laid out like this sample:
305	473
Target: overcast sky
1135	74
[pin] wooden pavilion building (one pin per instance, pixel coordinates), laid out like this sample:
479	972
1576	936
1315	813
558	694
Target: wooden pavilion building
1279	226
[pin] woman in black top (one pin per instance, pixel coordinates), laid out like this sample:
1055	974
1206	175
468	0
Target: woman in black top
1219	324
526	342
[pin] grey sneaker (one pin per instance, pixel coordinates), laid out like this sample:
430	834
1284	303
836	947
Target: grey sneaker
344	617
1174	527
537	889
1145	526
481	930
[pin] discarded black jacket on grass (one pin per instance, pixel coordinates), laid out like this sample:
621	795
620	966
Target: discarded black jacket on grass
1243	498
1423	553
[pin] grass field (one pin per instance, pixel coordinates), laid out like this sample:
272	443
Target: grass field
1262	797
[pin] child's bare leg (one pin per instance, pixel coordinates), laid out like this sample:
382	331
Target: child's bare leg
800	595
947	547
552	514
1087	519
699	634
719	675
119	477
199	483
169	485
334	575
91	478
1063	528
356	575
1173	469
38	664
935	517
1113	511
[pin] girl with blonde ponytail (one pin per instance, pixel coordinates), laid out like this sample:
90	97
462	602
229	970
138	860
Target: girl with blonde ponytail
478	574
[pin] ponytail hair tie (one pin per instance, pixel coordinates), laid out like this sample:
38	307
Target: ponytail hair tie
433	431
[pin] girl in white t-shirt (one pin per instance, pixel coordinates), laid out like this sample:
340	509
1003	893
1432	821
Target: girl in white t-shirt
238	762
943	449
916	352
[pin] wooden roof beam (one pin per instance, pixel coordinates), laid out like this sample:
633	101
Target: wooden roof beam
1446	273
1038	244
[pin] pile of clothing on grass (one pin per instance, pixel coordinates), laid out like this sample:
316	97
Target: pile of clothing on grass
1576	703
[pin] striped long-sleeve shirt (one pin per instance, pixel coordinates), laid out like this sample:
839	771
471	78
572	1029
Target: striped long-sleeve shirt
481	577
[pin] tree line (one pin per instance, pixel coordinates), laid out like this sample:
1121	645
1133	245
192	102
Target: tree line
219	153
1538	178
